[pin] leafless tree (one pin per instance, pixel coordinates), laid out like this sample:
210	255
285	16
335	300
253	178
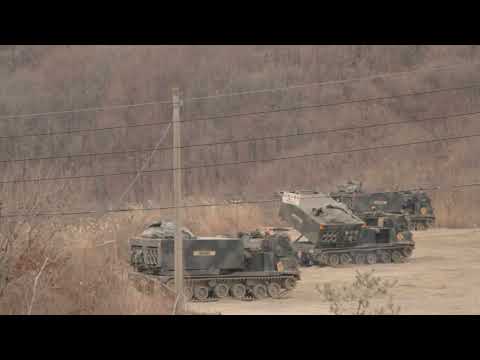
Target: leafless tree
26	235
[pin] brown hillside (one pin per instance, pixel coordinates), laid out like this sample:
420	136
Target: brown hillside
39	79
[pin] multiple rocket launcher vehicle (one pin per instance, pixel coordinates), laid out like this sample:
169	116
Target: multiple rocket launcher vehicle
215	267
333	235
415	204
266	264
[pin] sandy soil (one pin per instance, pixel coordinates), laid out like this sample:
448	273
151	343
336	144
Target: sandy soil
442	277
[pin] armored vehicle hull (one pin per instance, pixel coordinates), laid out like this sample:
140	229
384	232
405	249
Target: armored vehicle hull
369	253
415	205
333	235
218	267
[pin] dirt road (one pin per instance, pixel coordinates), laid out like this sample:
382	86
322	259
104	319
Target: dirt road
442	277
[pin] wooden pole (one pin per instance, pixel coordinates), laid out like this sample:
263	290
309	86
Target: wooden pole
177	189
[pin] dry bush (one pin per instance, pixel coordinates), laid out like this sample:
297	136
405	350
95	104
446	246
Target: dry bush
27	237
85	284
361	297
95	283
54	265
82	279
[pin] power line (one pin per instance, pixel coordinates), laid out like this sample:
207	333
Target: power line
247	92
231	115
66	132
315	106
129	187
141	209
224	203
146	162
252	161
468	185
333	82
324	131
273	137
253	113
90	109
337	152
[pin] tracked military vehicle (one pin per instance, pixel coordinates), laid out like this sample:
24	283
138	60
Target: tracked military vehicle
346	192
333	235
414	204
217	267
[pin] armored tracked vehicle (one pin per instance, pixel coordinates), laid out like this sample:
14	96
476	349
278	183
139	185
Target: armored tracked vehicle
346	192
217	267
414	204
333	235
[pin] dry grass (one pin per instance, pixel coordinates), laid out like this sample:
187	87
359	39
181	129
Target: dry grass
79	277
87	268
362	297
228	219
49	78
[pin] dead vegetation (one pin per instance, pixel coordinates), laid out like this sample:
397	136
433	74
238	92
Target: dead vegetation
61	264
76	278
78	265
29	242
367	295
46	78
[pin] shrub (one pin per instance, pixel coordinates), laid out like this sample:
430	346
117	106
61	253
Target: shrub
361	297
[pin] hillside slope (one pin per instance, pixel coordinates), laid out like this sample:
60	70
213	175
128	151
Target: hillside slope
36	79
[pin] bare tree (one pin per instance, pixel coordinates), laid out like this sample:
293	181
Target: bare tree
50	265
27	235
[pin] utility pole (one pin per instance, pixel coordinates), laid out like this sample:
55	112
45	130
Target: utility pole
177	191
235	203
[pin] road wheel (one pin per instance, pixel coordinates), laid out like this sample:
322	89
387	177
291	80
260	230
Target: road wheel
188	294
289	283
371	258
260	291
200	292
274	290
345	259
385	257
359	259
170	284
322	259
333	260
397	257
407	252
149	287
221	290
238	291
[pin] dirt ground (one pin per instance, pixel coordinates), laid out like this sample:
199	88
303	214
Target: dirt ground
442	277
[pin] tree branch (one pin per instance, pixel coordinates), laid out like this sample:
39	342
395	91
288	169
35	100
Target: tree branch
35	286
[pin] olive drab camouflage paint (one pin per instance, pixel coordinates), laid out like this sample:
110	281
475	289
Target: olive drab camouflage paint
334	235
216	267
414	204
